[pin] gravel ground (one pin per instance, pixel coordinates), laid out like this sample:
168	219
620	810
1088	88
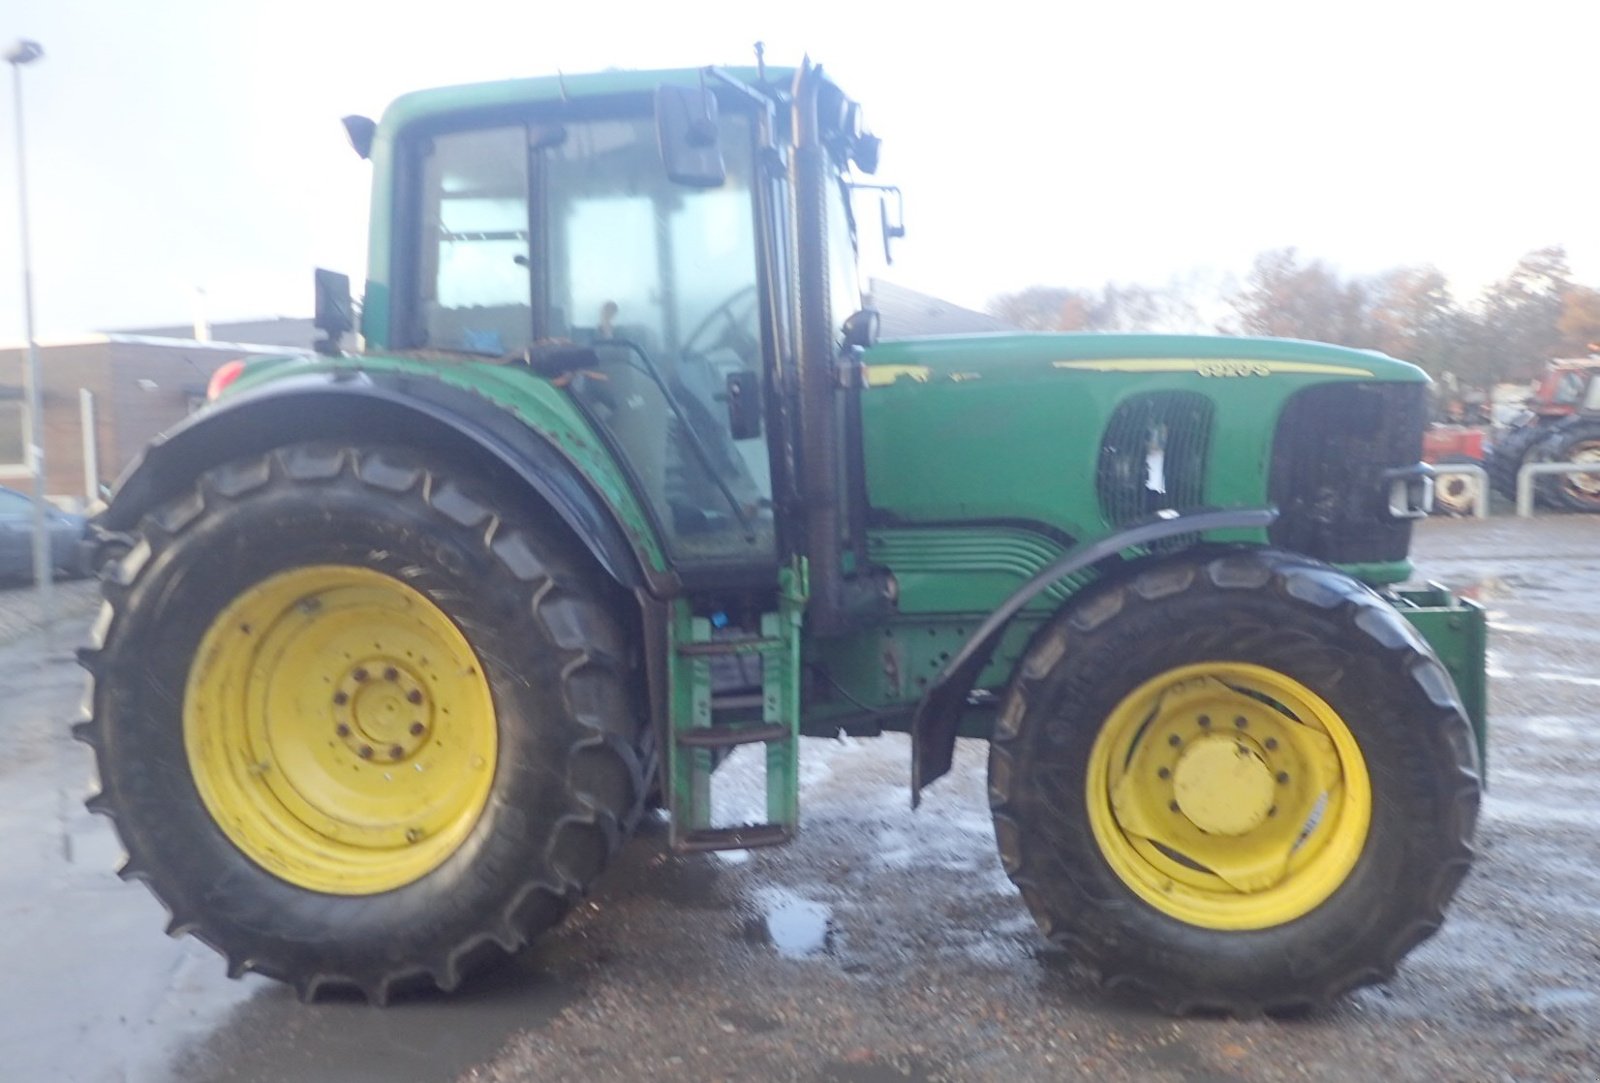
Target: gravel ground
882	946
19	608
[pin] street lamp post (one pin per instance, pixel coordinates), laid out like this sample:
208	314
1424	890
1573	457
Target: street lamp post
26	52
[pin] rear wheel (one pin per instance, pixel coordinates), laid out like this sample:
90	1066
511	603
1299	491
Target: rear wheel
1573	443
359	724
1509	452
1241	784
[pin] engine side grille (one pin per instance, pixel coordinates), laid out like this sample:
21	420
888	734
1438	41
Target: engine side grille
1153	455
1332	447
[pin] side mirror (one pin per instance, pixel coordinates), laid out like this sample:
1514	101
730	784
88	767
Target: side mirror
744	405
334	312
360	130
686	130
861	329
892	230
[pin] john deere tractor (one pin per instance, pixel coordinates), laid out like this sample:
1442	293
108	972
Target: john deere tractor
406	640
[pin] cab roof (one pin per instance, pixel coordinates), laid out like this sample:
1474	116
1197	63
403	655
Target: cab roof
510	93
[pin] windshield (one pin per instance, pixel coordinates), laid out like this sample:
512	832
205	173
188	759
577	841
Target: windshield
660	278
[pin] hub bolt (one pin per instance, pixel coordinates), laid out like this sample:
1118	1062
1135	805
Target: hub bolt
395	752
342	730
1241	722
1283	777
1205	721
1174	740
414	696
340	698
360	674
1272	744
416	729
1173	805
1164	773
391	674
365	752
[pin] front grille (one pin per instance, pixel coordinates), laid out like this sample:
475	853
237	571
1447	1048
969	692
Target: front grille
1153	455
1331	449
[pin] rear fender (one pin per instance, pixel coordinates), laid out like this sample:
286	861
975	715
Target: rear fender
417	412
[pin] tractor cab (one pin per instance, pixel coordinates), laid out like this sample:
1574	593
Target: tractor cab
1568	386
637	245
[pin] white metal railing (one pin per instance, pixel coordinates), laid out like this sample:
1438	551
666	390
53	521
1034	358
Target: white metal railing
1530	471
1480	499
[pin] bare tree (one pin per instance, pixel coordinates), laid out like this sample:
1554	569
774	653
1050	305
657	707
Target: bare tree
1507	333
1283	297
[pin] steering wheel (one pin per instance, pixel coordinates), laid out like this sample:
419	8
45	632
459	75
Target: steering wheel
726	325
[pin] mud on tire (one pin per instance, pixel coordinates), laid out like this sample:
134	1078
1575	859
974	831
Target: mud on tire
556	646
1297	618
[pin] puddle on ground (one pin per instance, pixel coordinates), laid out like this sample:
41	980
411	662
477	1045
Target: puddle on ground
1557	1000
796	927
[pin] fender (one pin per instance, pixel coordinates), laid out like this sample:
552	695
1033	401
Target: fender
938	713
407	409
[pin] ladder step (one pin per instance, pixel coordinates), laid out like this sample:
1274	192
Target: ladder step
730	736
737	702
741	645
743	837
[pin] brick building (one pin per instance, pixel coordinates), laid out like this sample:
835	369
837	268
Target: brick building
137	384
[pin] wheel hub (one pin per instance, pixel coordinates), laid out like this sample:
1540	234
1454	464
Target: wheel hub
382	711
1586	486
1223	785
1228	795
340	729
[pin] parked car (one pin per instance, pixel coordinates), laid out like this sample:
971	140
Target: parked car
68	533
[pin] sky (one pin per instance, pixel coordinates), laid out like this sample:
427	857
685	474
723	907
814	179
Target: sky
176	144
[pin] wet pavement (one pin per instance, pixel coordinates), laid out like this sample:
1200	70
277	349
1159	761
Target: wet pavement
882	946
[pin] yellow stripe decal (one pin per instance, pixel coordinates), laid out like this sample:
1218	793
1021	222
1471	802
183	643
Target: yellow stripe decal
883	375
1218	367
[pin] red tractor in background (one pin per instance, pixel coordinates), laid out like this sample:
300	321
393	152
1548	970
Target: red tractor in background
1561	423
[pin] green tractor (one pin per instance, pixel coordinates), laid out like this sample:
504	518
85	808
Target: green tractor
405	642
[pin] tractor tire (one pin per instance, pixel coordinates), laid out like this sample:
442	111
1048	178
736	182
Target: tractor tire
360	723
1457	494
1577	440
1236	783
1508	454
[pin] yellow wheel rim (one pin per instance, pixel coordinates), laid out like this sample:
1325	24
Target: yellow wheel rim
340	729
1228	796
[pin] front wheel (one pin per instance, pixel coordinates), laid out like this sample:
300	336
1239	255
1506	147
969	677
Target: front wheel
1457	494
1240	783
360	722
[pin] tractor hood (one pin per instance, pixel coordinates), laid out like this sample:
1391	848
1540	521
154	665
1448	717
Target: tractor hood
1079	434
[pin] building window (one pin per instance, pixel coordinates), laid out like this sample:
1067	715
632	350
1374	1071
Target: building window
12	449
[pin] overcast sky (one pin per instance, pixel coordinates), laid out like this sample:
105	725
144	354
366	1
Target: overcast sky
183	143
